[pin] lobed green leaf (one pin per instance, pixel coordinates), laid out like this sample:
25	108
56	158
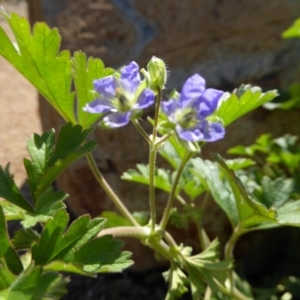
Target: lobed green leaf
37	58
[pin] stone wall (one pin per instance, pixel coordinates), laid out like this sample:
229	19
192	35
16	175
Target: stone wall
228	42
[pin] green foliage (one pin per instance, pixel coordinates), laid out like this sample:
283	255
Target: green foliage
36	57
49	160
293	31
163	178
8	257
85	71
10	191
34	284
243	100
206	268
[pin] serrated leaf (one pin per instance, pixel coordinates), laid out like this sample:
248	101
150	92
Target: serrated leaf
34	284
239	163
49	160
205	267
50	239
60	266
289	214
84	72
276	192
246	98
209	173
250	211
177	281
37	58
7	251
6	276
293	31
24	238
11	211
163	178
99	255
58	244
10	191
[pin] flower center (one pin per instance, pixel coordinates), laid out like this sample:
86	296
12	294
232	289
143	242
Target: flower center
122	103
186	118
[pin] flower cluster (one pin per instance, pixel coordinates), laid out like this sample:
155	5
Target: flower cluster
190	110
121	97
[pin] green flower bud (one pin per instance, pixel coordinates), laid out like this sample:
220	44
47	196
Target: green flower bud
158	73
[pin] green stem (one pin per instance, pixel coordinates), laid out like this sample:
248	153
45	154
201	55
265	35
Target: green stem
126	231
106	187
152	161
234	293
141	233
228	254
157	107
237	232
171	198
152	157
162	139
141	130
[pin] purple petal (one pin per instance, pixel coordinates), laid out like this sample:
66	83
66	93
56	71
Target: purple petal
208	132
169	107
130	77
99	106
146	98
209	102
212	131
117	119
192	90
191	134
106	86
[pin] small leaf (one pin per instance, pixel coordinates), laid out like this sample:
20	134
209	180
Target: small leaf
24	238
84	73
206	268
47	164
249	210
177	283
163	178
7	251
114	219
60	266
293	31
10	191
239	163
242	101
276	193
6	276
34	284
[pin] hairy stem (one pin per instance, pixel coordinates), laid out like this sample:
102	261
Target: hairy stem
152	162
141	233
171	198
228	254
141	130
152	158
157	107
106	187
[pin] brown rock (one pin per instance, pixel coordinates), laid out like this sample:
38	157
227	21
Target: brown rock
228	42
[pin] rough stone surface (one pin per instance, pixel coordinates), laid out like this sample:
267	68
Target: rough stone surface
228	42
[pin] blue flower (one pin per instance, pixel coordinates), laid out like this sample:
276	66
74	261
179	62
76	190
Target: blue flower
190	110
120	97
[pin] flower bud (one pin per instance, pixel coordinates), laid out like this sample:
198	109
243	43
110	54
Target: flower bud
158	73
